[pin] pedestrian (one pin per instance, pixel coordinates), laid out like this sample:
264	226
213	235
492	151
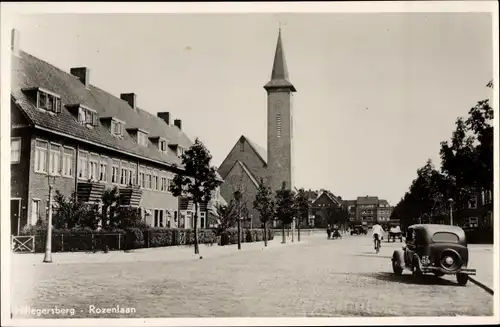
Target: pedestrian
328	232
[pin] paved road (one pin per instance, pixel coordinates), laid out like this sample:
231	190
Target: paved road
315	278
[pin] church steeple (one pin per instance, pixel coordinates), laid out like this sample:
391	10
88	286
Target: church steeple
279	75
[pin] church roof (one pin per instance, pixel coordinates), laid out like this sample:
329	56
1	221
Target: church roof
279	75
260	151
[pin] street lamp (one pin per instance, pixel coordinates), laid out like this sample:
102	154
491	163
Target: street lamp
48	242
450	200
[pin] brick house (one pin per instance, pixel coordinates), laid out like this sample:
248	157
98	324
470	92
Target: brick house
384	211
321	206
85	139
366	209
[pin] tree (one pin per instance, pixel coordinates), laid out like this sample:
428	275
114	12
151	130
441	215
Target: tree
109	201
71	213
228	215
197	182
302	207
264	204
285	207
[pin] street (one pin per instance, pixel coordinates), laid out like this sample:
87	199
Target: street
315	278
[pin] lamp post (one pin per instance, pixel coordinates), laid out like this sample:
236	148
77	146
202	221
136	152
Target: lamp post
450	200
237	197
48	242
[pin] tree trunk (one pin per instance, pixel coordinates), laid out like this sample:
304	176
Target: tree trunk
283	232
265	234
196	249
298	231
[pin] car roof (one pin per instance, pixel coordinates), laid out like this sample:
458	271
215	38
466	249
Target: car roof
435	228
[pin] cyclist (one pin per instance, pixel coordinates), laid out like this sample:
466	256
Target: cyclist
377	232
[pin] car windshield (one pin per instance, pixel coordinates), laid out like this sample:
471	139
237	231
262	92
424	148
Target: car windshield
445	237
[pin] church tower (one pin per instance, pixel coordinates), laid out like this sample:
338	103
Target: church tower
279	122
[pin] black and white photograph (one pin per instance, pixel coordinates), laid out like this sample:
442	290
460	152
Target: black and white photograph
249	163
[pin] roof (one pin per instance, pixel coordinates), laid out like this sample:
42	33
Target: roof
367	200
279	75
260	151
383	202
330	196
434	228
247	171
29	71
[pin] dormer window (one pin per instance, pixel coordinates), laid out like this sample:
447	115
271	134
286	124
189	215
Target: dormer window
180	151
44	99
116	127
162	145
87	116
142	138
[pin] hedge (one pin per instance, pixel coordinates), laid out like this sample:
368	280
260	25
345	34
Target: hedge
135	238
230	236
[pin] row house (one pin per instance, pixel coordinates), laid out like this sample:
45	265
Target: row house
366	209
80	139
384	211
477	212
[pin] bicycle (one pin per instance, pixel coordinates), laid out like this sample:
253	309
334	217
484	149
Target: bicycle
377	244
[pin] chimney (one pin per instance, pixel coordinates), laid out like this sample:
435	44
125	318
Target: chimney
14	42
178	123
165	116
82	73
131	98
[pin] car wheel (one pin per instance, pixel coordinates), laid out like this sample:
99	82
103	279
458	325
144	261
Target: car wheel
396	267
415	269
462	279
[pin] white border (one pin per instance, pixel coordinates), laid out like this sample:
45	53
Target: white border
8	10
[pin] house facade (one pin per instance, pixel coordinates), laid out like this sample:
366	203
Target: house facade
67	133
322	208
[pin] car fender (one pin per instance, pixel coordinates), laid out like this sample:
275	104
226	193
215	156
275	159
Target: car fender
398	255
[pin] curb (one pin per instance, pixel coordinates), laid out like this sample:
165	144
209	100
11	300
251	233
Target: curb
481	285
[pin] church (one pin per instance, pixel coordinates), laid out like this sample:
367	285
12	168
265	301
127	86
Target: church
247	163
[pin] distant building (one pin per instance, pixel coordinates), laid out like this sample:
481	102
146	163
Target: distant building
384	211
367	209
321	206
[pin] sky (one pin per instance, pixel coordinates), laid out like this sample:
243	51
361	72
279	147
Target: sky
376	93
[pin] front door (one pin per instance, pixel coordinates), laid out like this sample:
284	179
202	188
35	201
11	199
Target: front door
15	216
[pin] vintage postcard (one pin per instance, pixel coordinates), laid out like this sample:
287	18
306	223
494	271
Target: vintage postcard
249	163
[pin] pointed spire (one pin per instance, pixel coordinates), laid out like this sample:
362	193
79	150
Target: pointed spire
279	75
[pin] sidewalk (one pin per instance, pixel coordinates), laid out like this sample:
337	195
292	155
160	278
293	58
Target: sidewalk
481	259
162	254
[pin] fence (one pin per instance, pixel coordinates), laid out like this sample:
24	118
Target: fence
23	243
65	242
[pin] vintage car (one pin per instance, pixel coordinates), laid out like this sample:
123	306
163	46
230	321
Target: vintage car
394	233
358	230
438	249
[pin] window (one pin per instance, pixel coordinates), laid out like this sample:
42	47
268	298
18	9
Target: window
115	172
142	138
41	156
444	237
169	182
142	180
278	125
55	159
162	145
123	174
202	219
48	102
149	180
103	170
155	185
94	168
87	116
116	128
473	202
35	211
163	187
180	151
82	165
15	150
67	164
131	176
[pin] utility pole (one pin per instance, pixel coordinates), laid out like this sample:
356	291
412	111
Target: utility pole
451	210
48	242
237	196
